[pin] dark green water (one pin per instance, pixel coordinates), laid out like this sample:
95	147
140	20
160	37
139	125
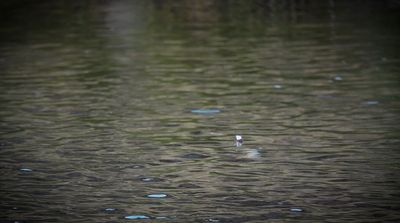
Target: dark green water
96	99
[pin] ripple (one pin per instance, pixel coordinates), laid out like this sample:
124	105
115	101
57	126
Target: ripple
156	195
25	170
194	156
371	102
205	111
136	217
296	210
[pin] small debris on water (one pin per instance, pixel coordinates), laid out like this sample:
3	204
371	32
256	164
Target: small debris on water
156	195
277	86
26	170
205	111
296	210
135	217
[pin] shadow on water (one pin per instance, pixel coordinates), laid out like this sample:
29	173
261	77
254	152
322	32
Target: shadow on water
127	110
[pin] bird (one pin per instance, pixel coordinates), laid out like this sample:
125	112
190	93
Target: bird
239	140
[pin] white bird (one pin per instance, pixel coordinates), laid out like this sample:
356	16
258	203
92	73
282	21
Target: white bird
239	140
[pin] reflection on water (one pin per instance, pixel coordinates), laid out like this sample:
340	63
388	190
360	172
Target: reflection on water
118	110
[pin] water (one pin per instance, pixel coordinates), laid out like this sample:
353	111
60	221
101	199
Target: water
97	97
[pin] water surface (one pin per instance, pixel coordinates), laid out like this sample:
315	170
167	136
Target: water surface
97	101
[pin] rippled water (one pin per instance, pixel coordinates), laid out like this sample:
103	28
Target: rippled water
115	111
